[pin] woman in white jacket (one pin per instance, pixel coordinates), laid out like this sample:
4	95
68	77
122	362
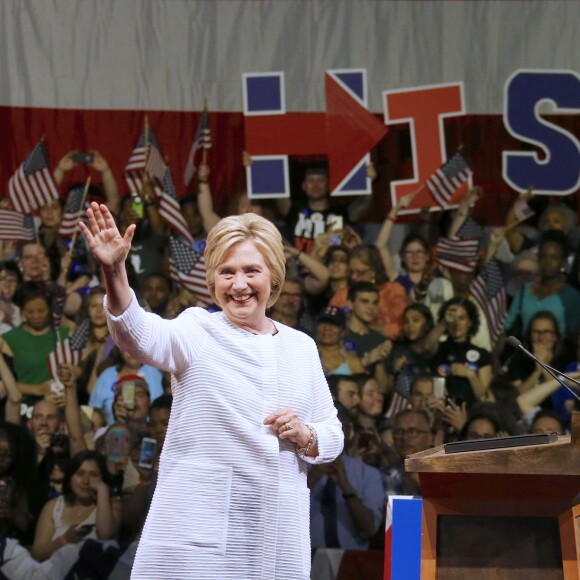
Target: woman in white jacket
251	408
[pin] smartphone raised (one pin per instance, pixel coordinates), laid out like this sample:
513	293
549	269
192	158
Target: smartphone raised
116	447
147	452
83	157
128	394
439	387
137	204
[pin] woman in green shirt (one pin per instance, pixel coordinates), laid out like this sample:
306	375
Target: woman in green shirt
30	344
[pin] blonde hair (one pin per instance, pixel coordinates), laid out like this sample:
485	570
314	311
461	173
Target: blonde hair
239	228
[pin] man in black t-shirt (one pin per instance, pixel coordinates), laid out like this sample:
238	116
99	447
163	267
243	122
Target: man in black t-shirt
306	223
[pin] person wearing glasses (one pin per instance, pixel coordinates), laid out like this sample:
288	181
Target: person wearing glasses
412	432
545	341
417	273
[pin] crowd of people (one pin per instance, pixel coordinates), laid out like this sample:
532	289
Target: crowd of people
410	356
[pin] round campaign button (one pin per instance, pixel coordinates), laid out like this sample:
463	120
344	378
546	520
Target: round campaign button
472	356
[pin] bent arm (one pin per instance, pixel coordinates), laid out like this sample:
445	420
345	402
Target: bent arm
169	345
529	400
324	418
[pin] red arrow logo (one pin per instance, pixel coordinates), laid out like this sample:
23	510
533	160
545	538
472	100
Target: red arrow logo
345	133
351	131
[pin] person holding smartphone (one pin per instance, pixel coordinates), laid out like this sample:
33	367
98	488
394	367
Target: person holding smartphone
251	408
86	508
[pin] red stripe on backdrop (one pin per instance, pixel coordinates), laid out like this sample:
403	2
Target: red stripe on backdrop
114	134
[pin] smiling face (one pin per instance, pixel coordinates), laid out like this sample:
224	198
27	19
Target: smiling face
543	333
8	284
328	334
243	285
32	261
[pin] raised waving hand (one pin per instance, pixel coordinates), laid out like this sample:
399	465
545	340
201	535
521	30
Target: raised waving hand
110	249
107	244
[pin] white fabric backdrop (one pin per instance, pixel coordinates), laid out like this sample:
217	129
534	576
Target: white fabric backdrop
170	54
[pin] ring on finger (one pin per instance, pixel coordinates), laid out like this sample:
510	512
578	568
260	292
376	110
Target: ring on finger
288	426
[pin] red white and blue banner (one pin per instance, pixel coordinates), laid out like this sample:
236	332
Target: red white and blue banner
434	75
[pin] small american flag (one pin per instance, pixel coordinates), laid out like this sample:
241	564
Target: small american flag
448	179
458	254
470	229
32	186
16	226
201	140
522	210
74	211
137	163
169	209
80	337
61	355
398	403
155	166
187	267
488	291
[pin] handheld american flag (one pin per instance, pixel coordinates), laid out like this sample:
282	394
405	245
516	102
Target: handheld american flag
522	210
74	211
470	230
32	186
61	355
461	252
155	166
16	226
488	291
448	179
201	140
457	254
140	161
169	208
57	299
80	337
187	267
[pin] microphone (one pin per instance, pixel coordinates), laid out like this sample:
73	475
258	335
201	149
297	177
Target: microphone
515	343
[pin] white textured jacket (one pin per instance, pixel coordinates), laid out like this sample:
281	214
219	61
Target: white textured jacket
231	500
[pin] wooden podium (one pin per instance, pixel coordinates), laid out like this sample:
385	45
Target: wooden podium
501	513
